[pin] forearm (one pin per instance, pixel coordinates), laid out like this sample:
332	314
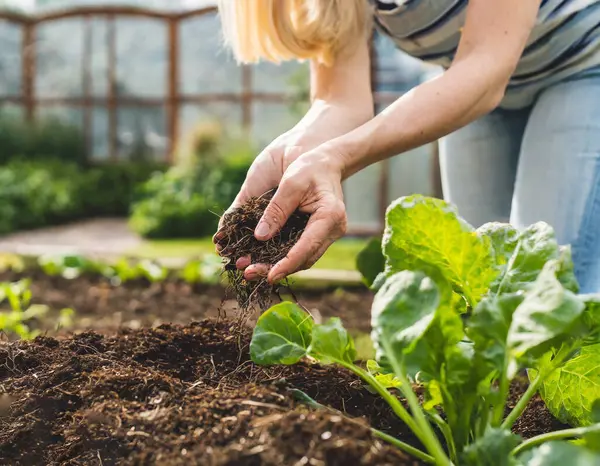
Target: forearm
423	115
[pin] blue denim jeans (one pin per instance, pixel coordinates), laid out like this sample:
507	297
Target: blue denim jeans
541	163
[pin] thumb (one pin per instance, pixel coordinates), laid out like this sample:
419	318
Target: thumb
285	201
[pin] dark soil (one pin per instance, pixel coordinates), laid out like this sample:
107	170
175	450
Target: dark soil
99	305
186	395
177	395
236	240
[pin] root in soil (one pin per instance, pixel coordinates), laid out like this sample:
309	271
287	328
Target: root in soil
238	241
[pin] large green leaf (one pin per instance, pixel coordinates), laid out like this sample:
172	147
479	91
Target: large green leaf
370	262
559	454
489	325
535	246
493	449
545	318
403	309
425	234
503	237
282	335
331	343
570	391
591	317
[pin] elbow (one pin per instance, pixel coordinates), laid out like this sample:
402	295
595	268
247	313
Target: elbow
492	99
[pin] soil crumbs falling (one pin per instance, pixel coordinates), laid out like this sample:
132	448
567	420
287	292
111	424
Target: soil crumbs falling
187	395
237	240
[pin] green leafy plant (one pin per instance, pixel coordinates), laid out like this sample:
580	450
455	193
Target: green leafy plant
207	269
462	313
70	266
37	193
185	202
20	311
47	138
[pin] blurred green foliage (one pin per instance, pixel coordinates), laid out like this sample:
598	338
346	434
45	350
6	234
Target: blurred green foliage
186	201
45	139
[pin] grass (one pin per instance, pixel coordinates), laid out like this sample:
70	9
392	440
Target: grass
340	256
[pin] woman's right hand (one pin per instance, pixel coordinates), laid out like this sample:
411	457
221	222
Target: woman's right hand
323	122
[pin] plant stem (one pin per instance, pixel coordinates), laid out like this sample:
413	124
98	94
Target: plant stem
445	429
394	403
522	404
503	392
558	360
404	446
428	436
558	435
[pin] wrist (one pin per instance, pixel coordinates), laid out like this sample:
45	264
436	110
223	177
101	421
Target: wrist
351	111
351	149
325	159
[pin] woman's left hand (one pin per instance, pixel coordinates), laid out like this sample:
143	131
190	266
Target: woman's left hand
312	184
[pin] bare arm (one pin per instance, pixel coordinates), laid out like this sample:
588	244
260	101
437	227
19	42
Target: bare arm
493	40
341	101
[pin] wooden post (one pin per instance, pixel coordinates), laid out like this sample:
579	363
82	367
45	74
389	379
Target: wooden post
112	88
173	88
28	64
86	79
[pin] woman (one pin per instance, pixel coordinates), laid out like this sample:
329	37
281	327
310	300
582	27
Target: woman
518	108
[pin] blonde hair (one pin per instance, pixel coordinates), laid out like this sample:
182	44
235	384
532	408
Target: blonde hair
280	30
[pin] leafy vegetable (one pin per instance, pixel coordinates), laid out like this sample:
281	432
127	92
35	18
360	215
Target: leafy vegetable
462	312
559	454
70	266
16	319
282	335
370	261
331	343
427	235
492	449
570	391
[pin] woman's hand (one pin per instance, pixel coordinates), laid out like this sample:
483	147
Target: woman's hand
323	122
313	184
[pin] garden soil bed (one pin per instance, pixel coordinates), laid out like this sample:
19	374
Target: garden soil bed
99	305
185	394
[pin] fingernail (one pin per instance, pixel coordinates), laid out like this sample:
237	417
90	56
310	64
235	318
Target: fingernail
262	230
250	275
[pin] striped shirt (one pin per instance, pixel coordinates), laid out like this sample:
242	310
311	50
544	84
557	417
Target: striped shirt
564	43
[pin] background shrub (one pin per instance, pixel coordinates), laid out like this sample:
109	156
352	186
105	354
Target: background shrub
186	201
109	189
34	194
45	139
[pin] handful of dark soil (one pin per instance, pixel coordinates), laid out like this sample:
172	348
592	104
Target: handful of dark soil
238	241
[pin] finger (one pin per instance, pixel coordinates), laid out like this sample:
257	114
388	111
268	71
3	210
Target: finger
317	236
256	271
243	262
283	204
255	185
315	258
239	200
